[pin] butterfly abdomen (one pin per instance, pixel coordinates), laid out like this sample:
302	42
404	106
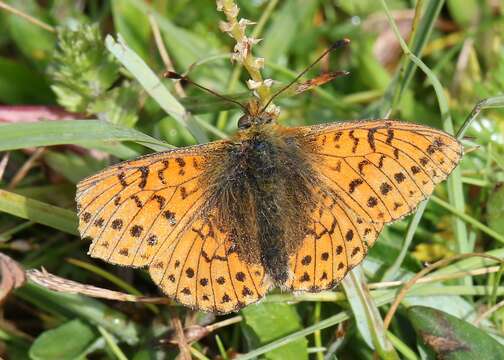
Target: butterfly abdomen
262	177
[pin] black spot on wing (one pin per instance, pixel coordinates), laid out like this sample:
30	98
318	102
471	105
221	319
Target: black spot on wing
144	174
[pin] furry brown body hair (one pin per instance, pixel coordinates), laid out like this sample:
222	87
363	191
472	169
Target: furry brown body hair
261	189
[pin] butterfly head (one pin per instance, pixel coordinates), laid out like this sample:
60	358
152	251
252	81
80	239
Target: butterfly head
256	116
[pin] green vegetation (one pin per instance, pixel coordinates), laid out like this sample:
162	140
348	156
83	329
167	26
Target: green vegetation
91	73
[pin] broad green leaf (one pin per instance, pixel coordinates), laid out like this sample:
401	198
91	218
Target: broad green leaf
69	341
82	132
267	322
451	338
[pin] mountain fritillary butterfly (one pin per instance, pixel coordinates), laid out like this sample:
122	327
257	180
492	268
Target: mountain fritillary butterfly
219	224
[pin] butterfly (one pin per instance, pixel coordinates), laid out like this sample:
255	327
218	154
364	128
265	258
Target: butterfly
218	225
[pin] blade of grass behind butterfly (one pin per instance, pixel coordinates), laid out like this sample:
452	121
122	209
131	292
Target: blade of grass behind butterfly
80	132
367	315
38	211
153	85
421	35
454	182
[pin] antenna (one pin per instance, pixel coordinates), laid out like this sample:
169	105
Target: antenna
338	44
176	76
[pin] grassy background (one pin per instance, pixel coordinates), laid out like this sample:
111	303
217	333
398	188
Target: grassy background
73	102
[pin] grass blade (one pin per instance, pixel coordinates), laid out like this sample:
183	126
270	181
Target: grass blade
38	211
367	316
422	35
46	133
151	83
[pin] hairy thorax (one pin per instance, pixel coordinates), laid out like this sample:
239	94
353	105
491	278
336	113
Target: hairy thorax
263	196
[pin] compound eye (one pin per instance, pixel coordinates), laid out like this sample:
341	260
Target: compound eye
266	118
244	122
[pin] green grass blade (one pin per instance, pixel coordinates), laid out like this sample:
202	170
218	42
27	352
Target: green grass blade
366	314
46	133
111	342
153	85
404	349
38	211
422	35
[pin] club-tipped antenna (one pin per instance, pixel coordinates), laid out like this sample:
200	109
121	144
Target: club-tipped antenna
338	44
177	76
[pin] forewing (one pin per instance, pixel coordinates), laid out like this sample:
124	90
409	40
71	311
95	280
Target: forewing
381	169
130	209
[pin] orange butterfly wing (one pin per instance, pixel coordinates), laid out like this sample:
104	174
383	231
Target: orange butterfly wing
337	240
202	270
148	212
374	172
130	209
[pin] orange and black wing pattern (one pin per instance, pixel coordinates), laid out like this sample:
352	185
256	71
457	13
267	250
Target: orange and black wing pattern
372	173
129	209
201	269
